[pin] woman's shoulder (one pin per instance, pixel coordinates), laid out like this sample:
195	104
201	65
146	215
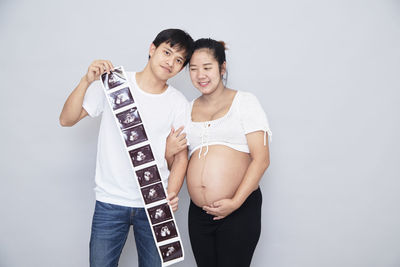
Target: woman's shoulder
246	98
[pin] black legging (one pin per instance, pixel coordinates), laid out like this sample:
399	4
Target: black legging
227	242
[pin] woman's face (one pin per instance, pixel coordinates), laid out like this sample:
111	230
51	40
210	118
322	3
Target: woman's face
205	72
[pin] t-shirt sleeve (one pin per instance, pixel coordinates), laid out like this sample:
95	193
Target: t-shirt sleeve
94	99
253	117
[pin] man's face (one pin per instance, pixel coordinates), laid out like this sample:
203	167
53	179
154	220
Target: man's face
166	61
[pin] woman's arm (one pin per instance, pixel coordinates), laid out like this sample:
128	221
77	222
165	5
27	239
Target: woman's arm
259	163
176	142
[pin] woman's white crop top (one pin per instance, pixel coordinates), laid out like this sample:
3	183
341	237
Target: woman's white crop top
244	116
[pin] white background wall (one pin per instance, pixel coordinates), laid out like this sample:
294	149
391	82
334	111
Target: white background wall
326	72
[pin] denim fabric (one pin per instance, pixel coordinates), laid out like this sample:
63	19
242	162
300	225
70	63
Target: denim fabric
110	228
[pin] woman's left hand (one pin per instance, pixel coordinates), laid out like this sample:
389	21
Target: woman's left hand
221	208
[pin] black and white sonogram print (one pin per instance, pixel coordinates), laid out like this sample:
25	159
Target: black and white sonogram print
128	118
171	251
165	231
135	135
160	213
114	79
148	176
153	193
141	155
121	98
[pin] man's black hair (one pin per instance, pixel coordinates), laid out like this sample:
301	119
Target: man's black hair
177	39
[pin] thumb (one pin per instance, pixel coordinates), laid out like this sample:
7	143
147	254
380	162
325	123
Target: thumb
217	204
172	130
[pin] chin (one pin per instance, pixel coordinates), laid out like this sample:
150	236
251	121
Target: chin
206	91
164	76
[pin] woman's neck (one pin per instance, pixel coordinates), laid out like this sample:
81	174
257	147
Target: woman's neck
216	96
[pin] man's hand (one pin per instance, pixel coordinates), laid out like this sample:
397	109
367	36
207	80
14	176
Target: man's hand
97	68
176	142
222	208
173	201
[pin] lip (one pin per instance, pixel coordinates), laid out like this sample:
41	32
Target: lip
204	84
169	70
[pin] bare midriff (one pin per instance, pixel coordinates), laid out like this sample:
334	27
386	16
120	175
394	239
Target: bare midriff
217	175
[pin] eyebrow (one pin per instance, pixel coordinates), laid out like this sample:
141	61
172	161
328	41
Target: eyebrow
173	52
205	64
166	48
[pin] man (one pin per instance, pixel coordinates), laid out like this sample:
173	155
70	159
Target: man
161	107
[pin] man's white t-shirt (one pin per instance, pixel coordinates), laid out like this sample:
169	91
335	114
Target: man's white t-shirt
115	179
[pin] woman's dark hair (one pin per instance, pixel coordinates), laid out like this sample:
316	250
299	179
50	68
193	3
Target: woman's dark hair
216	47
178	39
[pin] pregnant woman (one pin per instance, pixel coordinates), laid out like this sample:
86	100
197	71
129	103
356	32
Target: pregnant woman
228	136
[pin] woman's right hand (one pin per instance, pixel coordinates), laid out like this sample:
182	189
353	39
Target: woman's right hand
97	68
176	142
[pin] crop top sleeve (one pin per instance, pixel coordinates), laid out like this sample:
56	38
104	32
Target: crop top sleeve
252	116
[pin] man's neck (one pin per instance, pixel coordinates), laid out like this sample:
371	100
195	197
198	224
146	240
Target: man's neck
149	83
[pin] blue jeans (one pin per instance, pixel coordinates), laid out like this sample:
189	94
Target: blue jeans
110	228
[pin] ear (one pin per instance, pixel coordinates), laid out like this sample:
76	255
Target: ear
223	68
152	49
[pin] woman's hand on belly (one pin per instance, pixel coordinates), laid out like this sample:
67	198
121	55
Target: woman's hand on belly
222	208
217	176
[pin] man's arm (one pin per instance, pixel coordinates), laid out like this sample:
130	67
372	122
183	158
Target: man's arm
73	111
176	177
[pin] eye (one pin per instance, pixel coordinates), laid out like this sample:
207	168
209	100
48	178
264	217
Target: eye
179	61
207	68
166	52
192	69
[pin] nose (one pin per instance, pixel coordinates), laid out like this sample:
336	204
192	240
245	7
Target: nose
200	74
170	61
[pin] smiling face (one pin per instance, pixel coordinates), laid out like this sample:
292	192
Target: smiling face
205	72
166	61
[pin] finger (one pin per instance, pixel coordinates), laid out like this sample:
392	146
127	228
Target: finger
102	67
97	69
106	67
93	68
217	204
174	208
110	65
182	136
218	218
177	132
173	201
213	213
182	145
210	209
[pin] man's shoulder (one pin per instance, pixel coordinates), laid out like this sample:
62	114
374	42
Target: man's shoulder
176	94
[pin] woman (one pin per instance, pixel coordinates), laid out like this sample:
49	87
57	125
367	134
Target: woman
228	148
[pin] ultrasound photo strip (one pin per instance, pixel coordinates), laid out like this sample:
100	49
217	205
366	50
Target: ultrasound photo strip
138	147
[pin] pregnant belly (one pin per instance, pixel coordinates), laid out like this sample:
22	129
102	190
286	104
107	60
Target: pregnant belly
217	175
